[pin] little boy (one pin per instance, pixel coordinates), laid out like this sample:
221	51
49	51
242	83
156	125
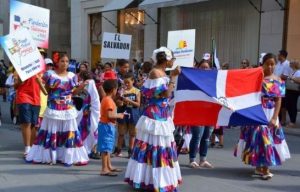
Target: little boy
107	129
130	103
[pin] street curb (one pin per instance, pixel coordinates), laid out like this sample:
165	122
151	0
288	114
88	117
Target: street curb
292	131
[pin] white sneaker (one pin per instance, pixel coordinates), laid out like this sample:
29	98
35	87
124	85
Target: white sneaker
15	120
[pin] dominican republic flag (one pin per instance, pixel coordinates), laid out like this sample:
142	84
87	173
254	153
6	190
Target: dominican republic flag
17	21
219	97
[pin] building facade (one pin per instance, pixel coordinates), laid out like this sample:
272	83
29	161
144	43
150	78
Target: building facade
60	27
241	28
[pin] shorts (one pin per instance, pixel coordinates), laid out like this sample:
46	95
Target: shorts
28	113
106	137
124	128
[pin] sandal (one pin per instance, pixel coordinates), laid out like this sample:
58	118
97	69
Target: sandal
291	125
194	165
206	164
109	174
267	176
257	174
116	170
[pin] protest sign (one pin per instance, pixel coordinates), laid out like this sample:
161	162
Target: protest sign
34	19
23	53
116	46
182	43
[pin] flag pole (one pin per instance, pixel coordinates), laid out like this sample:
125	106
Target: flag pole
212	52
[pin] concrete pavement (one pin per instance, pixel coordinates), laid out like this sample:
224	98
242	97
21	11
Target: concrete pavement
229	174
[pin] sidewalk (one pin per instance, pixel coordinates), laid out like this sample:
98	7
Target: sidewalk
292	131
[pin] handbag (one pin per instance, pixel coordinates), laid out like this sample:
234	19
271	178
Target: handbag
291	85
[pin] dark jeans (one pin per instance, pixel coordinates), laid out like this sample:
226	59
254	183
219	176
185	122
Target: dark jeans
199	142
291	104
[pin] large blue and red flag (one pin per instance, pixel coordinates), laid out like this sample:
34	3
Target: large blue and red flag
219	97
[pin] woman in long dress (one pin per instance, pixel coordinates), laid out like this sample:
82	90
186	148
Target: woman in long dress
59	138
153	164
264	146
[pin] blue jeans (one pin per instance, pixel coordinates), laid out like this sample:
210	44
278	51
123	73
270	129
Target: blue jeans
200	136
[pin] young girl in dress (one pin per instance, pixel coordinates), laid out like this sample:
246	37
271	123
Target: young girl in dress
88	116
58	138
264	146
153	165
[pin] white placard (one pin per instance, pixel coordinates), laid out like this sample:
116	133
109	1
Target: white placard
116	46
182	43
23	53
34	19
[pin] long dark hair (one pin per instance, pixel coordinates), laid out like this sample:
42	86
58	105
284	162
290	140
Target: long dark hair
269	56
198	64
85	75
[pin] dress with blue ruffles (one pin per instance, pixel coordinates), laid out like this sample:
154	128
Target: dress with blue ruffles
264	146
59	138
153	165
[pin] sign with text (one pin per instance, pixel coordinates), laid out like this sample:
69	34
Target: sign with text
116	46
182	43
34	19
23	53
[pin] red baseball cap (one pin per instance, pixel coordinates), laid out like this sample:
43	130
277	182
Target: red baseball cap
109	75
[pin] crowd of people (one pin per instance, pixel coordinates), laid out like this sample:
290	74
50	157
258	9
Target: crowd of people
68	117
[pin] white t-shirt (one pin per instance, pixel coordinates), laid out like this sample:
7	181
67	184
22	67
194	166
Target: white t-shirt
10	82
282	68
296	74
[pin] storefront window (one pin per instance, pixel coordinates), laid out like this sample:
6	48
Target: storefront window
1	34
95	37
132	23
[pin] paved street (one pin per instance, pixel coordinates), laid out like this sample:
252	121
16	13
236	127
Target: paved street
229	174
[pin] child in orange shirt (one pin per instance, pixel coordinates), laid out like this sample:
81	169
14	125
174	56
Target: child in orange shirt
107	127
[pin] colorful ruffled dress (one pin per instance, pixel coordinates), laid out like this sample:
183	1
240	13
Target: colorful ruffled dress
154	165
263	145
59	138
88	116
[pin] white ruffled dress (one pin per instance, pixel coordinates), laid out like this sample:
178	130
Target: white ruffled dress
154	165
58	138
88	117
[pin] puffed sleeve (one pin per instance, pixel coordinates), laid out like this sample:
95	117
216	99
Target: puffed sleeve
154	87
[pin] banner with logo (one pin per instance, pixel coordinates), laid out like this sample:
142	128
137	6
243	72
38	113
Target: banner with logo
182	43
116	46
34	19
23	53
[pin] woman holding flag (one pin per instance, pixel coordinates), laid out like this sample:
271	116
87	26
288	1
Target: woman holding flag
200	134
264	146
153	165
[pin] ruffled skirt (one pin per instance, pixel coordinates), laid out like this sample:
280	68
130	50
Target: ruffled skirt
154	165
88	135
58	140
262	146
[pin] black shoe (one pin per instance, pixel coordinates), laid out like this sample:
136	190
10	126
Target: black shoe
129	153
116	150
95	155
